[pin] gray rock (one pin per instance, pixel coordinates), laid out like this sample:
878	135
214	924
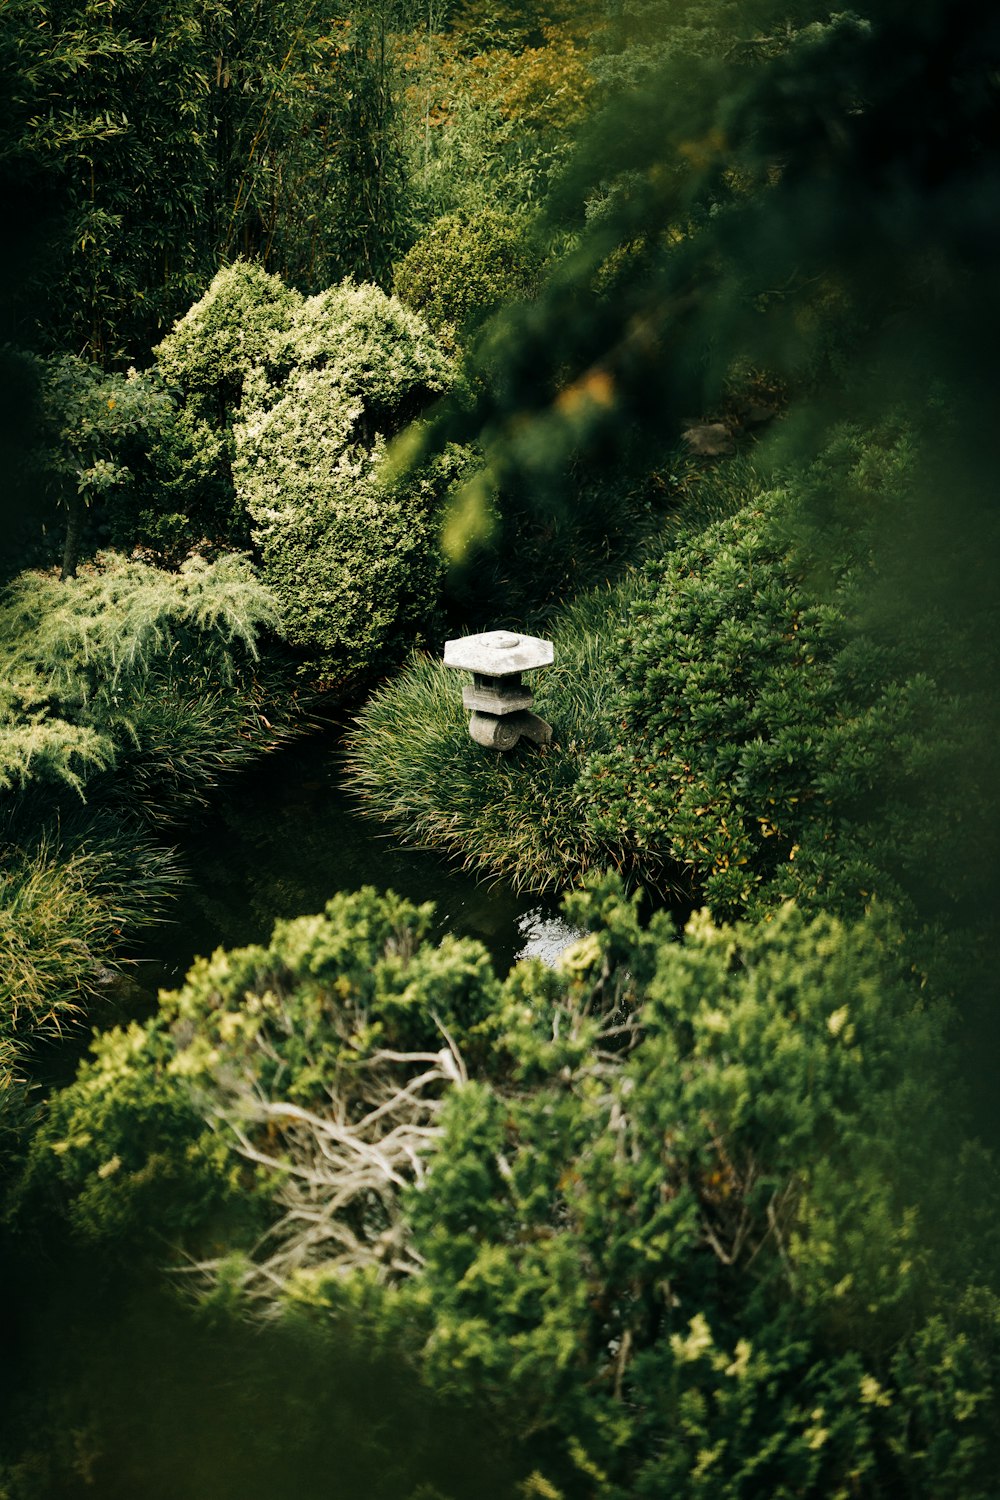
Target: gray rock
545	937
709	440
506	699
502	732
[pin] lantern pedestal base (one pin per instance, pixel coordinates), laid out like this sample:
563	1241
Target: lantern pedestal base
502	732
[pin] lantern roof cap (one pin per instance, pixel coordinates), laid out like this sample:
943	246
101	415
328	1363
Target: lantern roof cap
498	653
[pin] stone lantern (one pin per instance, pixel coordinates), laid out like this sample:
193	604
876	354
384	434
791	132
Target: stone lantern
499	701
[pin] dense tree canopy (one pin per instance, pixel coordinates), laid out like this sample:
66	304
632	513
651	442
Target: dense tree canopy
181	136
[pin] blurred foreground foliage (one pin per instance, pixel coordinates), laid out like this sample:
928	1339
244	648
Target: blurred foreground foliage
679	1213
780	188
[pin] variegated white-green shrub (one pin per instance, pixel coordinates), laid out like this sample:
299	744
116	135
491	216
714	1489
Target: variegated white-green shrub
349	552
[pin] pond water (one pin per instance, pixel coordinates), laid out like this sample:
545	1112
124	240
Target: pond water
280	839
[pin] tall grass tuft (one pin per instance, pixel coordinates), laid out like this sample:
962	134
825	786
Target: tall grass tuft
66	906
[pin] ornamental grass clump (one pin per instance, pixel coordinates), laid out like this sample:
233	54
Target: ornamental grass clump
92	664
66	904
51	928
517	815
127	692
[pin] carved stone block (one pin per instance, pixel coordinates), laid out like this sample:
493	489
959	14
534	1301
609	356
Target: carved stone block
499	701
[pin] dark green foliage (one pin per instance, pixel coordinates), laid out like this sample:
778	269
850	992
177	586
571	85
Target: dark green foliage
65	907
95	439
642	38
781	199
360	217
17	1112
704	1258
124	1163
186	507
771	747
482	24
137	1395
24	511
82	80
610	525
181	136
729	734
688	1216
134	1155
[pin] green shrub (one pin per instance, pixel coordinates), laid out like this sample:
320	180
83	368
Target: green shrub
149	455
86	659
709	1257
124	1163
204	362
672	1199
466	266
726	670
349	553
186	505
742	741
331	1016
209	353
772	749
66	906
352	562
266	419
94	457
375	349
128	692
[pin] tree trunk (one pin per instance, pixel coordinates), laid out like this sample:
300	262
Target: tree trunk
74	530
